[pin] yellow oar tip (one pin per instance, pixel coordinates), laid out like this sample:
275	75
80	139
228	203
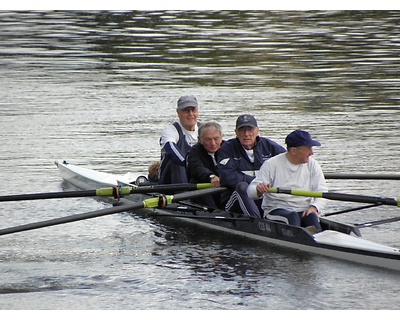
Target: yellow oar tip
204	185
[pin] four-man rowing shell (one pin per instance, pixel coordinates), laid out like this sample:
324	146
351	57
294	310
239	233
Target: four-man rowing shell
337	240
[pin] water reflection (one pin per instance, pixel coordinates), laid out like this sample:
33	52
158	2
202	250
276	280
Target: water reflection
322	56
243	273
227	257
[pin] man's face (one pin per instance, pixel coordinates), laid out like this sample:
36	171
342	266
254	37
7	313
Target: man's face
247	136
188	117
211	140
302	154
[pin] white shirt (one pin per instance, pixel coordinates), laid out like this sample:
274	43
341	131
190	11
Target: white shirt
250	154
279	172
169	133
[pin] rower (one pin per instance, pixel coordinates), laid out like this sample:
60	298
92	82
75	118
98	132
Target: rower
294	169
175	141
238	160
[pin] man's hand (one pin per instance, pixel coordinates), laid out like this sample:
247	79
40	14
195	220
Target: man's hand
262	188
310	210
215	182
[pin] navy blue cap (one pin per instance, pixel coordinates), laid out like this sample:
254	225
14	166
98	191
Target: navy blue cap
246	120
299	138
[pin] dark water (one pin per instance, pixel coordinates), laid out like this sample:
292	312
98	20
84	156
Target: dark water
96	89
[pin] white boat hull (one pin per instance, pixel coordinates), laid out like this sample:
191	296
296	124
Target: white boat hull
328	242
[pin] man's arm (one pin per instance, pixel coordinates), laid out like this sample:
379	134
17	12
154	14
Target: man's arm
195	167
228	166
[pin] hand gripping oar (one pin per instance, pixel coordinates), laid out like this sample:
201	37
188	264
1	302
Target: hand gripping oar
155	202
338	196
116	192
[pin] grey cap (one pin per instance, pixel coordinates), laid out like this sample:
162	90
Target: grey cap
187	101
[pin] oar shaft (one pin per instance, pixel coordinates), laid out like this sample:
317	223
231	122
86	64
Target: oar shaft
73	218
363	176
48	195
103	192
197	194
148	203
376	222
170	188
338	196
210	217
108	192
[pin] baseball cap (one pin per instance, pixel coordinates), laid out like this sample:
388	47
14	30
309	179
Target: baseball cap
187	101
246	120
299	138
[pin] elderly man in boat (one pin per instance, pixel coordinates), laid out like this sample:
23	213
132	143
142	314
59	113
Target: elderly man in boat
239	159
201	164
176	140
295	169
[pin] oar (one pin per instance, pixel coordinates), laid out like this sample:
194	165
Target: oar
148	203
363	176
200	217
338	196
376	222
115	192
352	209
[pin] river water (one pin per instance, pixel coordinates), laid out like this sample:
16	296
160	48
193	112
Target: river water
96	89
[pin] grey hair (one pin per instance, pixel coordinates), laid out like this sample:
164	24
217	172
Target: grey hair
209	125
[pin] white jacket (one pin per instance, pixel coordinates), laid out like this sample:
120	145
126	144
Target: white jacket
280	173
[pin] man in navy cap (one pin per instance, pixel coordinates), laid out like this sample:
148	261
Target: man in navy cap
294	169
238	160
175	141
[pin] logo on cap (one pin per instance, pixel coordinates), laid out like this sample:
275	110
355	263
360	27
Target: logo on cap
246	120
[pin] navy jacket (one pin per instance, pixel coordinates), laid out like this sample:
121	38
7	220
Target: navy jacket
233	160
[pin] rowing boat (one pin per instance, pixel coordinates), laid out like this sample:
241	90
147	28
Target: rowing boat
337	240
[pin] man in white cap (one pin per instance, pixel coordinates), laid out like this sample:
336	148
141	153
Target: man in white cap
295	169
176	139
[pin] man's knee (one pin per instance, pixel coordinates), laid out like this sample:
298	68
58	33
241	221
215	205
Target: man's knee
241	188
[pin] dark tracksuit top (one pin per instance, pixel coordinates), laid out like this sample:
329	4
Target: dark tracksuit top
232	160
172	167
